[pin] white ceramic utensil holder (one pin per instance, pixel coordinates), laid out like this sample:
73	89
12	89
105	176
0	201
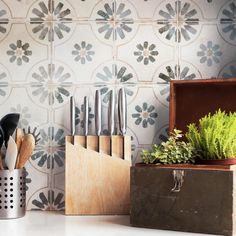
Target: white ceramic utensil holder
12	193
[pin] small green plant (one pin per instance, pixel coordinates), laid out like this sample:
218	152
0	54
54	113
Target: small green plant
172	151
215	136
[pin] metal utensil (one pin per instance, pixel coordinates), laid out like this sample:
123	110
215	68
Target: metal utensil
86	119
11	154
72	117
111	117
122	111
98	116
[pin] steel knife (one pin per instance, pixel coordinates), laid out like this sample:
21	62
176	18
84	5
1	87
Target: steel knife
86	119
122	111
72	117
111	118
98	116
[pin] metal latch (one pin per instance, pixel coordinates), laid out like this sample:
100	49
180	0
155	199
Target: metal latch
178	176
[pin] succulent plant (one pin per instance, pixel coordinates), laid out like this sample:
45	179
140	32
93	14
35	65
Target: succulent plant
173	151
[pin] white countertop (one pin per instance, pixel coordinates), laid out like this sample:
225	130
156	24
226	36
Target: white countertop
39	223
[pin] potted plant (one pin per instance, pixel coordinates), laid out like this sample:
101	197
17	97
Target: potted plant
173	151
214	138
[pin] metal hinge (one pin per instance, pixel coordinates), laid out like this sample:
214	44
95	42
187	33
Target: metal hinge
178	176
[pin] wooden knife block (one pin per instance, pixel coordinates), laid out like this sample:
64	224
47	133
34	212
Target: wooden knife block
97	183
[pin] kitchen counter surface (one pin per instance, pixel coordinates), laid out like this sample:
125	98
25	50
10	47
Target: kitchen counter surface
36	223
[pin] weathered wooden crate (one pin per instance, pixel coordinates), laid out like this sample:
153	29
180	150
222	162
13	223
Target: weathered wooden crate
188	198
205	203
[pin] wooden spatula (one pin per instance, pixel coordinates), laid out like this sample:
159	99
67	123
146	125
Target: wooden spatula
26	150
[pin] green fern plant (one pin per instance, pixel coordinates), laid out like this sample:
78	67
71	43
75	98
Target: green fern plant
215	136
172	151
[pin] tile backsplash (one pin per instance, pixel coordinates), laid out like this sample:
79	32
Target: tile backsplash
52	49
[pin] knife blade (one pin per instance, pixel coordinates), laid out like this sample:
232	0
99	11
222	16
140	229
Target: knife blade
111	113
72	117
86	119
122	111
122	115
98	116
98	112
111	118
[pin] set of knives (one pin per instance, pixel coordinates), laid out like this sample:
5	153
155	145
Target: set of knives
122	119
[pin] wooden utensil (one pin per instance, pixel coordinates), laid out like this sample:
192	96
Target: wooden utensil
18	138
26	150
11	154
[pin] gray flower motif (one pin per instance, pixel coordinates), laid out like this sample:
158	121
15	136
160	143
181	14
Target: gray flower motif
52	155
115	21
78	120
19	52
50	20
146	53
145	115
172	74
51	84
50	201
27	180
209	53
3	84
3	21
83	52
228	20
24	115
114	75
178	21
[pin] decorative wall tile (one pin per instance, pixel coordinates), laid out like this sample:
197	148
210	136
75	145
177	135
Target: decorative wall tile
34	180
21	52
144	54
50	84
144	115
114	21
209	51
83	52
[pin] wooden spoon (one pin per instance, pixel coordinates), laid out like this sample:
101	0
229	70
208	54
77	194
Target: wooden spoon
26	150
19	137
11	154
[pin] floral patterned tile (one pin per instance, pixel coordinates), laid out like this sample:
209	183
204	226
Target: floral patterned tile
83	52
114	21
177	21
210	52
181	70
146	116
47	199
50	84
20	52
50	152
146	54
34	180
